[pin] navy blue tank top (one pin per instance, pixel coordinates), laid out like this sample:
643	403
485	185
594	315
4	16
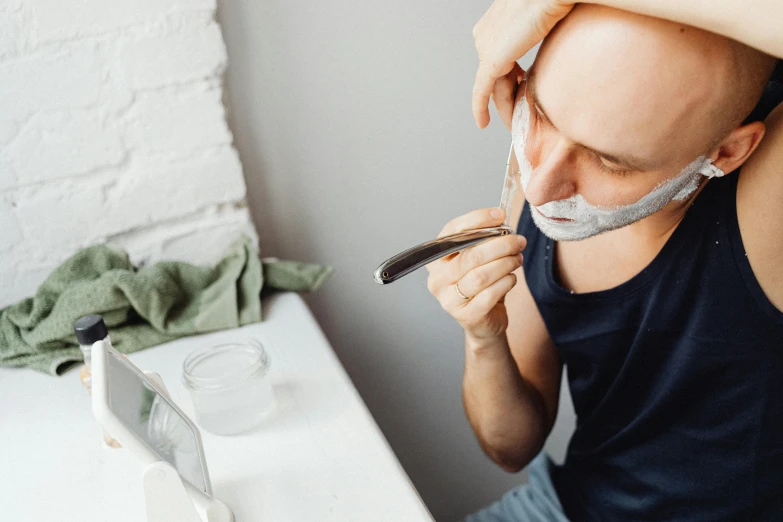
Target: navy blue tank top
676	378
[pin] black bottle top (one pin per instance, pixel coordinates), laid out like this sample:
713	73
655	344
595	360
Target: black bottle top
90	329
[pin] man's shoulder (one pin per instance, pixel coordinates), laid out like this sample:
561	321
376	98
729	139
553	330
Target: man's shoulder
759	208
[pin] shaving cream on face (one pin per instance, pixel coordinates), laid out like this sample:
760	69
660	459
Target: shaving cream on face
574	218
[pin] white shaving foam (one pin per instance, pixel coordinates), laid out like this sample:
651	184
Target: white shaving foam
711	171
590	220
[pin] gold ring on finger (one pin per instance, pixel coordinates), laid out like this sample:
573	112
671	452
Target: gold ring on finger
456	287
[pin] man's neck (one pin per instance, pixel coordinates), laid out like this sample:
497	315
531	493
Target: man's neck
661	225
607	260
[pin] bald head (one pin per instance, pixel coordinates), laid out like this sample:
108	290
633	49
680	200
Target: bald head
623	81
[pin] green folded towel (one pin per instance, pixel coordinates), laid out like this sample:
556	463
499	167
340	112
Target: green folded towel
145	306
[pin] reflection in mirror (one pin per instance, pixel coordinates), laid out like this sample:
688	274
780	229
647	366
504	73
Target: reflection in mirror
154	421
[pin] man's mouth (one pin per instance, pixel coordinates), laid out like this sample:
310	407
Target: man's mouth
555	219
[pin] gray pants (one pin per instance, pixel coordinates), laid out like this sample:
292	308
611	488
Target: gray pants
535	501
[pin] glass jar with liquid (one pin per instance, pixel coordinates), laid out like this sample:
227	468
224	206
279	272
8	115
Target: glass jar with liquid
230	386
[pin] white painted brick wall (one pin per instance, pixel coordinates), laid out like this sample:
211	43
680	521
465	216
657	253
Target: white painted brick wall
112	130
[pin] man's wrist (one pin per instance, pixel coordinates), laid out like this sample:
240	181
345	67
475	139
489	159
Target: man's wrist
486	346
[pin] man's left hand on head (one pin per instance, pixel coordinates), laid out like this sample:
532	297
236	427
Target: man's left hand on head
508	30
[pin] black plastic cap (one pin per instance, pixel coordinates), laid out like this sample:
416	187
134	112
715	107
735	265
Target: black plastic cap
90	329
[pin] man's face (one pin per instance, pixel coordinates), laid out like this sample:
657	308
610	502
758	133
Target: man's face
621	114
608	124
592	142
574	218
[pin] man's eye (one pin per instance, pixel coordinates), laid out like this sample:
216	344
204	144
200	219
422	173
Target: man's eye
612	170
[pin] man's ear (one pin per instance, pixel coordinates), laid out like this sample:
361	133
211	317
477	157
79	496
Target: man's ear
736	148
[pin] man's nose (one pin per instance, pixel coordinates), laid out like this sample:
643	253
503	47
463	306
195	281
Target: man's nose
553	172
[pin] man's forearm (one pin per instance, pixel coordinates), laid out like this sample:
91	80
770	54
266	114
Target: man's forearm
755	23
506	413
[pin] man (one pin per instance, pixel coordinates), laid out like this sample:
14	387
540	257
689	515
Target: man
652	266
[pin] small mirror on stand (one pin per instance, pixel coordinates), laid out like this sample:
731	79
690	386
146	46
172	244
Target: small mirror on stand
135	408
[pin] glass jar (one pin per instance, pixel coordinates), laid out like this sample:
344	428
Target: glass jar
230	386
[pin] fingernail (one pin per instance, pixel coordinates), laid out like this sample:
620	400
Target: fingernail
496	213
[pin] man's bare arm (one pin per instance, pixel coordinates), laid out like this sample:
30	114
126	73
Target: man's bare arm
755	24
511	389
760	209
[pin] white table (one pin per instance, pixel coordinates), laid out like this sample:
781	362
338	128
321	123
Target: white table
320	457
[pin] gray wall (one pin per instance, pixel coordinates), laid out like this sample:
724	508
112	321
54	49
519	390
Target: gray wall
354	126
